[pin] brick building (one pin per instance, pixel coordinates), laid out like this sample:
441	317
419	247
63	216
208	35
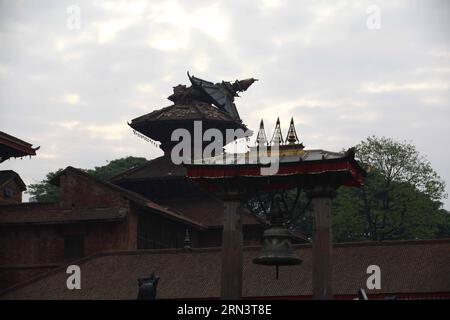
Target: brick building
11	187
92	216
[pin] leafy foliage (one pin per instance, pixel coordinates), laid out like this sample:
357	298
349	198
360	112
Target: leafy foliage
294	208
115	167
44	191
400	198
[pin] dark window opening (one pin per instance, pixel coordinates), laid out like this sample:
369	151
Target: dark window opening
8	192
73	247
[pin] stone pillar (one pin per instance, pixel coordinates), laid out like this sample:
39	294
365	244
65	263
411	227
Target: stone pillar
322	266
232	243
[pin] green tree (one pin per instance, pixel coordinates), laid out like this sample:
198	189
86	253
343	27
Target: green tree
115	167
400	198
44	191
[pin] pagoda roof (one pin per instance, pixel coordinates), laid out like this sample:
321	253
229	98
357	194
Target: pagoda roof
161	167
136	198
294	163
285	154
45	213
11	146
8	175
195	110
208	211
159	124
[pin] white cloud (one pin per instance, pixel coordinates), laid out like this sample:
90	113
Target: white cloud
440	54
122	14
69	124
107	30
167	38
434	71
201	63
172	25
108	132
3	69
367	116
71	98
145	88
44	155
374	87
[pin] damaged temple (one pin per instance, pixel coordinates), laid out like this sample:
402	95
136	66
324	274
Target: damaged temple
168	220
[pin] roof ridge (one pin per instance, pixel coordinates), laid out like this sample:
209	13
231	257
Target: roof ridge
131	170
133	196
15	139
392	242
13	175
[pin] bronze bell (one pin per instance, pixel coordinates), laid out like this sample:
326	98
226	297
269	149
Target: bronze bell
277	248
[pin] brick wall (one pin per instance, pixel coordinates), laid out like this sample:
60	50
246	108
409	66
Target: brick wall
11	193
79	191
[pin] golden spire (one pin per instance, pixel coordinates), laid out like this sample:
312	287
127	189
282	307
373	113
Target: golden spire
261	138
292	134
277	135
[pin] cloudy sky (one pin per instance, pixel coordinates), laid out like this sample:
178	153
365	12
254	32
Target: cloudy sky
342	73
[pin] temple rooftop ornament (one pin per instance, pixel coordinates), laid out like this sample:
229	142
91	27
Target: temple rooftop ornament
292	137
277	135
187	241
211	103
261	138
222	94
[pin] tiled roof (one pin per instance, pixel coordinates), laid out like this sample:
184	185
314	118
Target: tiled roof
207	211
8	175
284	155
406	267
11	146
294	166
194	111
135	197
37	215
161	167
160	124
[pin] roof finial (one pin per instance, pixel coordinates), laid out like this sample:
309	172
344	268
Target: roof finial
261	138
277	137
187	241
292	134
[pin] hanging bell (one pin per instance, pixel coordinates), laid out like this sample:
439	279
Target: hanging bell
277	248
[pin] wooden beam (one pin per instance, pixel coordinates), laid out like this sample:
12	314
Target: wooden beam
232	242
322	266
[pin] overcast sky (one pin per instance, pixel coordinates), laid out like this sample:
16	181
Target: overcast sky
72	90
